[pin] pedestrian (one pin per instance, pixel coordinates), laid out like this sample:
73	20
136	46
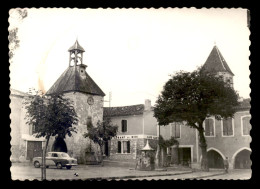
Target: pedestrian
226	165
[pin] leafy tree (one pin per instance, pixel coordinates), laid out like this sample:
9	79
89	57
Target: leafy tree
16	15
50	115
102	133
164	144
192	97
167	143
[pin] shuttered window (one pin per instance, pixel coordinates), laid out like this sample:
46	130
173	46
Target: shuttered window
128	146
227	127
124	126
119	147
176	130
246	125
31	129
209	127
123	147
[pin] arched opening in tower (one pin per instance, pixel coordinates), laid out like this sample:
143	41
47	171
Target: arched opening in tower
59	145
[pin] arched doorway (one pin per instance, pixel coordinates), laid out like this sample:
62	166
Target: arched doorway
242	160
215	160
59	145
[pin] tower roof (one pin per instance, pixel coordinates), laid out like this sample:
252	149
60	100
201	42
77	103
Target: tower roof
216	62
71	81
76	46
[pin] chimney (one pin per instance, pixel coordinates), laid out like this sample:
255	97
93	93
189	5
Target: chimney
147	104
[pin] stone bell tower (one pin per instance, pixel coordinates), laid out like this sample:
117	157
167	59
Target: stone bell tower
77	85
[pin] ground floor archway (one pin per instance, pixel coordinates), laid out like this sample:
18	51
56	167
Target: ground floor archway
215	160
242	160
59	145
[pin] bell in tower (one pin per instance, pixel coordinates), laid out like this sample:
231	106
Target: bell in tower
76	54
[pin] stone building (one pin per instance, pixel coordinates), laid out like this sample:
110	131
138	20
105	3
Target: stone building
87	97
24	145
225	138
136	125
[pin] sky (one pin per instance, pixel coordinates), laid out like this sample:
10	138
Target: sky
130	53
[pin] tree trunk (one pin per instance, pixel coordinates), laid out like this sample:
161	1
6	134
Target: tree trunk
163	157
101	158
157	157
44	159
175	155
203	147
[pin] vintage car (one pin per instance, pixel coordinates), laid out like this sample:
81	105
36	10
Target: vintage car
58	159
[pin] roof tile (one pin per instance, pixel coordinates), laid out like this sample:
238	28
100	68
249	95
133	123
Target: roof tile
71	80
123	110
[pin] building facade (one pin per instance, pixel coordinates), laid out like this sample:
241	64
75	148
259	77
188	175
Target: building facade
136	125
225	138
24	145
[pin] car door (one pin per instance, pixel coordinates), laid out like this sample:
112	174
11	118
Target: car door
55	158
49	160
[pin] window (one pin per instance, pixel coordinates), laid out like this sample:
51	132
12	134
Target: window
31	129
54	155
176	130
209	127
119	147
227	127
124	126
89	121
246	126
123	147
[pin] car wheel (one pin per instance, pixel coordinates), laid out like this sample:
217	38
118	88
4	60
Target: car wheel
68	167
59	166
36	164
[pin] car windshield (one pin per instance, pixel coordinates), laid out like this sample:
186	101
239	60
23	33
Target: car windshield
65	155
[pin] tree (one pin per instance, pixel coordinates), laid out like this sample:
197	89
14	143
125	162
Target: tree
164	144
192	97
101	134
50	115
16	17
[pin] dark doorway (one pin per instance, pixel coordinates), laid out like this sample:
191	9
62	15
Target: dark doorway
107	148
59	145
184	156
242	160
34	149
215	160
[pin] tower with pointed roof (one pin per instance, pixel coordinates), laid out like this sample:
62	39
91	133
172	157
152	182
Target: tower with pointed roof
216	64
76	84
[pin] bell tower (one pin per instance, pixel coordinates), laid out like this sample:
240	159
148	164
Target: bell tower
76	54
216	64
76	84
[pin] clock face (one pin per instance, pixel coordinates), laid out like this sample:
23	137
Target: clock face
90	100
